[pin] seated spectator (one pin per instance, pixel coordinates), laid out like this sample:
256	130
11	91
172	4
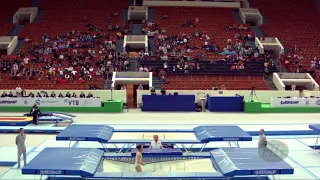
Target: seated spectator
31	95
123	87
153	91
4	94
18	90
60	95
163	80
74	95
222	87
89	95
140	87
38	95
82	95
53	95
81	80
165	16
68	95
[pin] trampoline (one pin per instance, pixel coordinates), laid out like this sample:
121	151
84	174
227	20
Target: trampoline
108	135
91	163
54	117
316	128
15	121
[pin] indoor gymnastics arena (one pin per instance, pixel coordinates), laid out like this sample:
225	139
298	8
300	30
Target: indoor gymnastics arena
165	89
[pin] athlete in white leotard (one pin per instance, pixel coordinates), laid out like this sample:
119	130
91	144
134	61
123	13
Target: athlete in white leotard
138	161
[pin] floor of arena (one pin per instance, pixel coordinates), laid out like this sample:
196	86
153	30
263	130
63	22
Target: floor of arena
304	160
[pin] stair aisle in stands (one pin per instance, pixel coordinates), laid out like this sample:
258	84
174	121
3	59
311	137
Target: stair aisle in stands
151	15
258	31
269	81
40	13
136	29
119	44
124	15
19	46
35	3
236	16
156	83
16	30
134	64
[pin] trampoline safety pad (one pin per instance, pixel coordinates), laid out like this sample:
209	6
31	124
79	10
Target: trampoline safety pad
65	161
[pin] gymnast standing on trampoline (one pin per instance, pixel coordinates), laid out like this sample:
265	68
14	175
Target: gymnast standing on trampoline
138	161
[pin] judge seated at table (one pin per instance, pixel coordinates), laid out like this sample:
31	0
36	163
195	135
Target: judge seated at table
68	95
156	144
31	95
82	95
53	95
89	95
60	95
10	94
4	94
163	91
46	95
74	95
153	91
38	95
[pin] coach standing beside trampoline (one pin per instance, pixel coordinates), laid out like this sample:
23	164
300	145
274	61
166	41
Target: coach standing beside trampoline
262	139
35	112
20	142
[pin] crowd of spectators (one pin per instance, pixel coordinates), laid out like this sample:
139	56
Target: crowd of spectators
75	55
236	52
292	61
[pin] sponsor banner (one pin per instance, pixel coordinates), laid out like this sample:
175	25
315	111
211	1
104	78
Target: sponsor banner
51	102
295	102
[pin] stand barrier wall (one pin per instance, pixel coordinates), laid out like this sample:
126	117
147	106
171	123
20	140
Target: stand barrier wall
263	96
225	103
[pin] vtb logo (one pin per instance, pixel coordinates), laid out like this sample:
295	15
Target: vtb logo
74	102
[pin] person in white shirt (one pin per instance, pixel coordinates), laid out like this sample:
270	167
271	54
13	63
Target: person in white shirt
262	139
18	90
293	87
156	144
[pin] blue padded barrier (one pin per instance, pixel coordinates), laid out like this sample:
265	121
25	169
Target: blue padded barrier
85	132
244	162
221	133
225	103
168	103
185	155
65	161
158	152
155	130
147	141
315	127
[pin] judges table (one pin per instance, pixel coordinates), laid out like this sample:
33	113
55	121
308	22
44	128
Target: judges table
168	103
295	102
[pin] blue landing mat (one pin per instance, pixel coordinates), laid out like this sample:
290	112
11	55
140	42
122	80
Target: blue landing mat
65	161
221	133
243	162
103	134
